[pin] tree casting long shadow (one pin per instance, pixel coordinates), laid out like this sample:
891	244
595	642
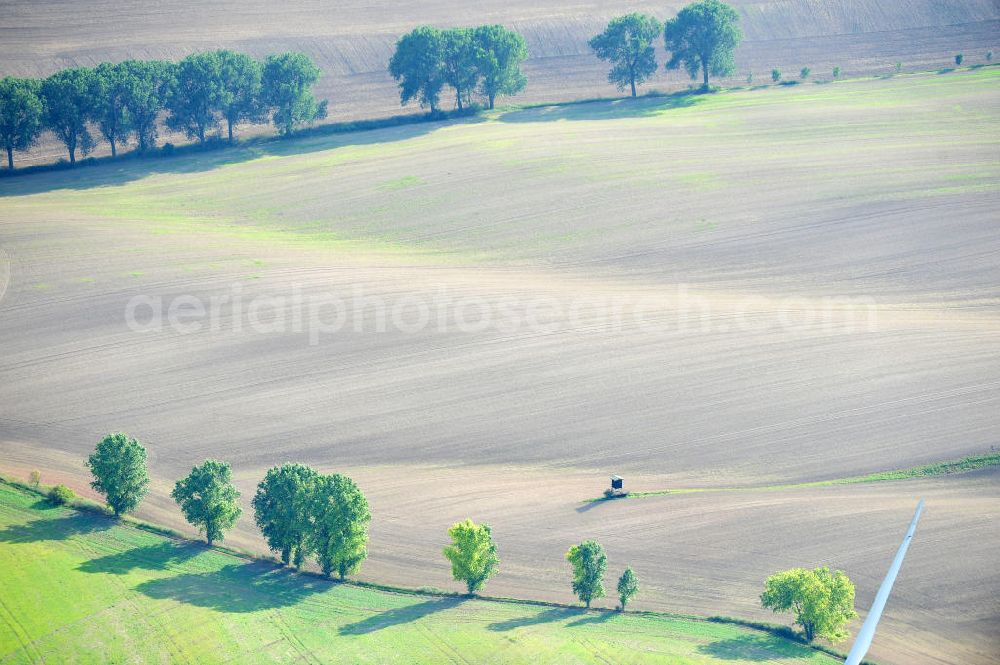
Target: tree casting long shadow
401	615
248	587
153	557
54	528
547	616
754	648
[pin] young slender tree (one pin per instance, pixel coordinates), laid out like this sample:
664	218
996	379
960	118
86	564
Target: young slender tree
823	602
20	115
472	554
501	52
589	563
703	36
460	63
281	509
110	112
208	499
195	98
628	586
148	84
417	64
241	84
118	465
627	43
287	84
68	103
339	515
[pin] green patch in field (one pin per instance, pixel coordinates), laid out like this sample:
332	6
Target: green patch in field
400	183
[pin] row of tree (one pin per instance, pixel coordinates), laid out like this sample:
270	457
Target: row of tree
702	38
124	100
485	60
303	513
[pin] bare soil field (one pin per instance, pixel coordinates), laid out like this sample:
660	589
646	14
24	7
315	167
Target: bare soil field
352	41
751	288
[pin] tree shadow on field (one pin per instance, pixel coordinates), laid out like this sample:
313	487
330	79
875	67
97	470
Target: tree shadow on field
248	587
128	167
628	107
593	618
548	616
153	557
54	528
400	615
754	648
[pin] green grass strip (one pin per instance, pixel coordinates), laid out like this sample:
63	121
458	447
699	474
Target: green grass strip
963	465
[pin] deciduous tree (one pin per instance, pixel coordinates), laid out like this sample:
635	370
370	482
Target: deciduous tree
20	115
110	112
195	97
823	602
703	36
460	63
627	43
288	79
118	465
148	84
208	499
501	52
281	509
472	554
589	563
68	103
628	586
240	95
339	516
418	65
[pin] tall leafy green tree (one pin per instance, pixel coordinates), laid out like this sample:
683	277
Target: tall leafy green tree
501	52
118	465
472	553
196	95
628	586
148	84
281	509
589	563
823	602
111	90
417	64
208	499
241	83
703	36
68	102
20	115
460	63
627	43
288	79
339	516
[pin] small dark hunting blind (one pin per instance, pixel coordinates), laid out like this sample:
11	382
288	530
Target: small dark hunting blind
617	488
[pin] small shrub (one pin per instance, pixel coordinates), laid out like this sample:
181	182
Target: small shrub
899	67
775	74
609	494
958	59
167	150
61	495
35	478
804	73
989	56
836	72
750	78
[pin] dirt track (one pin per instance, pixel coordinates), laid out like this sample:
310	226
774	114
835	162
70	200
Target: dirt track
730	223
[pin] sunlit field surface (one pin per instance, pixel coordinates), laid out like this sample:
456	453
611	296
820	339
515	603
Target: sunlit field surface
755	288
